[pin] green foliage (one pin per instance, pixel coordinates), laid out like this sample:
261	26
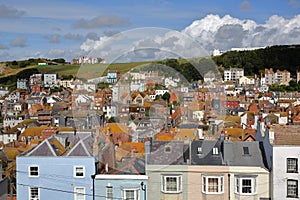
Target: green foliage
253	62
292	87
12	79
59	60
67	77
103	85
166	96
113	120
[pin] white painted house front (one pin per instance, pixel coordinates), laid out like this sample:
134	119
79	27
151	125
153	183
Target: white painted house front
285	173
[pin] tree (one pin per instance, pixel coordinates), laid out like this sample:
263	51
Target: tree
166	96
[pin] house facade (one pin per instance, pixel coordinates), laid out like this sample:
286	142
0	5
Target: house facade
233	74
50	171
112	186
50	80
206	170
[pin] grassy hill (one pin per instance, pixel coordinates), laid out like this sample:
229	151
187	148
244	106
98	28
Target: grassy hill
9	74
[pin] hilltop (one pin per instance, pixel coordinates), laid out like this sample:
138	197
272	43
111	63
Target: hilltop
253	61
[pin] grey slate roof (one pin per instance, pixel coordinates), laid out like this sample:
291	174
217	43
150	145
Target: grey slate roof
168	153
206	157
235	154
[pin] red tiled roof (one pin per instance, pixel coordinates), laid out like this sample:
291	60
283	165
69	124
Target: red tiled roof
286	135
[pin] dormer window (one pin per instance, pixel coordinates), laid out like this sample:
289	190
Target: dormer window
215	151
246	150
168	149
199	150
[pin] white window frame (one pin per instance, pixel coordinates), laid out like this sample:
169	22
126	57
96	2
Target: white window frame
136	193
30	171
178	183
290	170
215	151
287	188
75	171
238	185
205	185
29	193
77	193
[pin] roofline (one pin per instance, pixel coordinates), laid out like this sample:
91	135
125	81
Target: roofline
121	177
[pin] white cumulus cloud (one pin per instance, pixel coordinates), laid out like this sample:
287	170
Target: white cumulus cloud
198	39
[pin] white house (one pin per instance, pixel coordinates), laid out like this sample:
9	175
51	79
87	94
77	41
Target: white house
160	92
8	137
11	121
286	156
50	80
233	74
246	81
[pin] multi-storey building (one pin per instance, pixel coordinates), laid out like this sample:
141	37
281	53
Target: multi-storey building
113	76
50	80
22	84
233	74
280	77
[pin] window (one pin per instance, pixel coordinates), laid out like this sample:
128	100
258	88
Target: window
131	194
212	184
292	165
33	171
79	172
168	149
34	193
246	150
79	193
215	151
109	192
199	150
171	184
245	185
292	188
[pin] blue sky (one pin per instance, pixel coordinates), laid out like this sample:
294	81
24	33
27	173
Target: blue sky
59	28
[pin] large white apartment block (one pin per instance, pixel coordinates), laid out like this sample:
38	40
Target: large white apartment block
233	74
50	80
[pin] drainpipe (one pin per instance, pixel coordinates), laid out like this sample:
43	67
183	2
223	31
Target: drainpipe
229	186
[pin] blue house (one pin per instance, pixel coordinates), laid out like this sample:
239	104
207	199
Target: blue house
57	168
120	186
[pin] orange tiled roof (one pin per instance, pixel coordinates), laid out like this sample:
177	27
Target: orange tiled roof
184	134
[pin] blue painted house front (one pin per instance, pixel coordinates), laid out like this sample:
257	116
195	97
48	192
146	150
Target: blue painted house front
115	186
51	171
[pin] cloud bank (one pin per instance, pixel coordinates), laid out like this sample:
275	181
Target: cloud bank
100	22
209	33
9	12
19	42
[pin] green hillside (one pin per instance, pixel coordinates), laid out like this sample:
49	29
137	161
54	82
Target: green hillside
276	57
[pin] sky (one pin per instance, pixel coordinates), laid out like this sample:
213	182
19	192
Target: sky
120	28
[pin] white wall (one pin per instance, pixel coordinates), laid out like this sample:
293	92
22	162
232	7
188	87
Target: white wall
280	175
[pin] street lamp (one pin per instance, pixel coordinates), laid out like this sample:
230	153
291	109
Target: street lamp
143	187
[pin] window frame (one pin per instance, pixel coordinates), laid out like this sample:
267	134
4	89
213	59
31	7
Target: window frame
287	188
289	164
178	184
30	171
136	193
109	193
75	171
215	151
77	193
30	193
205	184
238	185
